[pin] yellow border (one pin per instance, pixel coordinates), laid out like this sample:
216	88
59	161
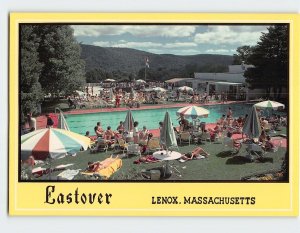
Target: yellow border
275	199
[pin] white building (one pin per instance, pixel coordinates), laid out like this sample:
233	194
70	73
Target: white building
233	83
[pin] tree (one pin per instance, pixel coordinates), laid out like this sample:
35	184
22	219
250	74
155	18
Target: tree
242	55
95	76
270	60
30	71
63	70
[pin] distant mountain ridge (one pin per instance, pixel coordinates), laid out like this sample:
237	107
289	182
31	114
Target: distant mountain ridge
129	60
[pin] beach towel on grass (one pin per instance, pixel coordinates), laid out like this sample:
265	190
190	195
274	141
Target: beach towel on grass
68	174
39	171
110	166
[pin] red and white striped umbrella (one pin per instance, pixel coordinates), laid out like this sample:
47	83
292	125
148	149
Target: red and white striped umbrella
52	143
193	112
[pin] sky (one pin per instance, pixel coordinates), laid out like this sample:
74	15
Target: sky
171	39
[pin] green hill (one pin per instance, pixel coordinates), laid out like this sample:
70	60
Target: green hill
126	62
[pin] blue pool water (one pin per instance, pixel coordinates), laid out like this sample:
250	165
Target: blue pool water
80	123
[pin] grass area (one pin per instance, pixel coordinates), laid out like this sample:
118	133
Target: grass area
221	164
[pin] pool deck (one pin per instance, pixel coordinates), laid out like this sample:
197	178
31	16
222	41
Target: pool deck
41	120
143	107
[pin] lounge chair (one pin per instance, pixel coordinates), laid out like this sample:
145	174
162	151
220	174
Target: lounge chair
185	137
103	104
122	145
133	149
228	143
205	136
153	145
101	146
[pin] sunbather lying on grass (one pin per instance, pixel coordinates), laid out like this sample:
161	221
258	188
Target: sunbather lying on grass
195	154
94	167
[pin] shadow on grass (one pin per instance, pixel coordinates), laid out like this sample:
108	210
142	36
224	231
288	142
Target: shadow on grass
238	160
225	154
265	160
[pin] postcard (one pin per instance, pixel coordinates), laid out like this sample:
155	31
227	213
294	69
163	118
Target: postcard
153	114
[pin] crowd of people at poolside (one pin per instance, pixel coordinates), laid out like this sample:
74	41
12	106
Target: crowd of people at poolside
115	97
226	126
132	94
111	136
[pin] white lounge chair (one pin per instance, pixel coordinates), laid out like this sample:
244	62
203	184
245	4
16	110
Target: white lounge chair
228	144
133	149
185	137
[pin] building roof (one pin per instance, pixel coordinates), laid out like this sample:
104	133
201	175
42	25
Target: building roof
238	68
229	83
222	77
175	80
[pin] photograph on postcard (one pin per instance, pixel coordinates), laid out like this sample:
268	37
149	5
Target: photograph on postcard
153	114
163	102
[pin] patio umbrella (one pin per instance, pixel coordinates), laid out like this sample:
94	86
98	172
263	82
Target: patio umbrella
79	93
148	89
168	137
132	93
52	143
193	112
128	123
159	89
111	94
109	80
269	104
185	88
140	81
252	126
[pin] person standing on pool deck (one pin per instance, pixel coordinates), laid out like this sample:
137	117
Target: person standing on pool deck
31	122
161	124
50	122
135	132
117	101
229	112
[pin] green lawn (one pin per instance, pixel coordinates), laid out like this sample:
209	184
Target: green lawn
220	165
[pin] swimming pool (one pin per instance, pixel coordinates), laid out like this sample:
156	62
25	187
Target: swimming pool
80	123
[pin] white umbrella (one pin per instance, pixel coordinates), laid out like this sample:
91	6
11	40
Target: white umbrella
193	112
159	89
111	94
185	88
148	89
168	137
80	93
140	81
109	80
270	104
